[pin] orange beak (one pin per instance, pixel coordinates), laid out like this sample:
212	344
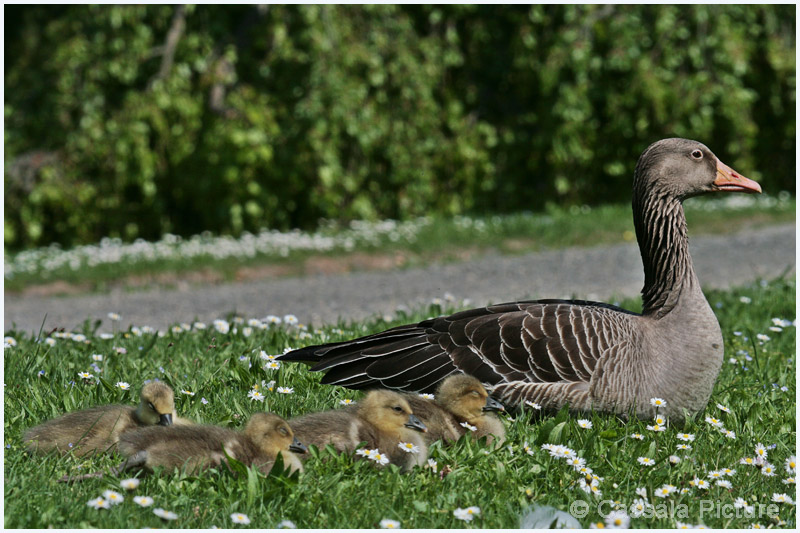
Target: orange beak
729	180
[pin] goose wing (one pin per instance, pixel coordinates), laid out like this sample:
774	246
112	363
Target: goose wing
541	341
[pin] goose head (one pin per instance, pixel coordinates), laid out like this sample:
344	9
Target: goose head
272	434
156	405
465	397
389	412
683	168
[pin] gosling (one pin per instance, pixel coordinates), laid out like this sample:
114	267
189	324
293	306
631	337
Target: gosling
98	429
383	419
196	448
461	406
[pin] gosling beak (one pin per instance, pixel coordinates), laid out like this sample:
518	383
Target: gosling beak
297	446
165	420
415	423
728	180
493	405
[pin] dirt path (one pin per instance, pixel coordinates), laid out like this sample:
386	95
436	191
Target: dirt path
601	273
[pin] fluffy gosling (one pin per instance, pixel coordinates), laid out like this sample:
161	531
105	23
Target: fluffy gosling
460	399
383	419
98	429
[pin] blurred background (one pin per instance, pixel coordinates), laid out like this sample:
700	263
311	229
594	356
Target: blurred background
137	121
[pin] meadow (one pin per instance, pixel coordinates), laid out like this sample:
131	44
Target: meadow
731	466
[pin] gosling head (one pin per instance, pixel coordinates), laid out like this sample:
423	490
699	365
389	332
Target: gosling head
465	397
389	412
272	434
156	405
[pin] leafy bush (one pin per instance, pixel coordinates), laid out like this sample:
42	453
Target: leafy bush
135	121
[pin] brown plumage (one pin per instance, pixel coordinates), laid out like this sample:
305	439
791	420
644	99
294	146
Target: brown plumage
197	447
587	355
461	403
383	419
98	429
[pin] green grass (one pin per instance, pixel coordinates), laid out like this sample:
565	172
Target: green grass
378	245
342	493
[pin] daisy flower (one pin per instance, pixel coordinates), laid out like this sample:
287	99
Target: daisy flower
729	471
728	433
699	483
638	507
272	365
285	390
724	483
286	524
684	447
187	392
791	464
741	503
468	426
642	492
427	396
527	448
363	452
388	523
113	497
747	461
346	401
674	459
762	337
85	375
123	385
656	428
782	498
166	515
143	501
433	465
585	424
99	503
637	436
761	451
618	520
714	422
240	518
645	461
576	462
664	491
660	420
408	447
290	320
716	474
687	437
533	405
255	395
379	458
584	471
265	356
467	514
723	408
129	484
789	481
49	341
768	470
97	357
745	299
658	402
222	326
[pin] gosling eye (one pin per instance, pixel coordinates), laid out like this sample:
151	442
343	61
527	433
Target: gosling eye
151	406
397	409
475	393
697	154
283	431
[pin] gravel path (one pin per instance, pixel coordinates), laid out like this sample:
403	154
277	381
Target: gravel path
601	273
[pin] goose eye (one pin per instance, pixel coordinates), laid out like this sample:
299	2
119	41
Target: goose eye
283	431
697	154
398	409
151	406
475	393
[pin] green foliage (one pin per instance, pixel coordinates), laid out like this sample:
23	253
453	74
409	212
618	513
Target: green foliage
341	492
135	121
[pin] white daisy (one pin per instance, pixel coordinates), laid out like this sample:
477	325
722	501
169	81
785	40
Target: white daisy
427	396
346	401
272	365
637	436
123	385
724	483
658	402
468	426
144	501
656	428
687	437
768	470
585	424
433	465
789	481
166	515
638	507
408	447
85	375
533	405
285	390
286	524
467	514
255	395
791	464
379	458
113	497
674	459
129	484
99	503
723	408
388	523
240	518
97	357
645	461
664	491
782	498
187	392
714	422
618	520
761	451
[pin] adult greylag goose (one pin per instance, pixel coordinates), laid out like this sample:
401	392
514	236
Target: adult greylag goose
587	355
461	406
98	429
